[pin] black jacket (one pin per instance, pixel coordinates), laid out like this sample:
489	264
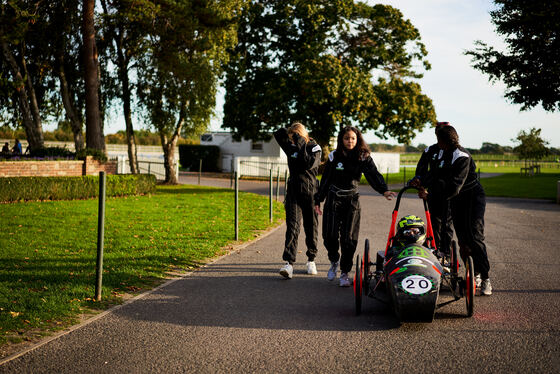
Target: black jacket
455	172
428	162
345	174
303	162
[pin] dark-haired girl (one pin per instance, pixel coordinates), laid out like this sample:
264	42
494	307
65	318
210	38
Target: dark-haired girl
339	185
455	179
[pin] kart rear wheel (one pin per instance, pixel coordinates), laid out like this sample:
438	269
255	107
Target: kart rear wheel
358	286
366	270
454	262
470	286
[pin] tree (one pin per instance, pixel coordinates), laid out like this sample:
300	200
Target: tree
178	74
123	27
15	20
43	39
94	129
532	146
63	30
529	67
328	64
491	148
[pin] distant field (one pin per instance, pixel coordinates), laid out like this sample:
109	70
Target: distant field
542	186
496	161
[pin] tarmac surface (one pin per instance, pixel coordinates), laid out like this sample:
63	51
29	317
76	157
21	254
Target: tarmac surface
238	315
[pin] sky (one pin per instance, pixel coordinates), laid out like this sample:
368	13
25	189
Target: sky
461	95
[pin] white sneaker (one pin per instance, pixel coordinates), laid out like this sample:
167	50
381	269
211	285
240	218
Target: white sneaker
332	271
478	281
311	268
486	287
287	270
345	281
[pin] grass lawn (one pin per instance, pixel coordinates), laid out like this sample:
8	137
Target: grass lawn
48	250
542	186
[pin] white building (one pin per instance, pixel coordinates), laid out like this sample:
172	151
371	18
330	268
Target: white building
247	157
257	158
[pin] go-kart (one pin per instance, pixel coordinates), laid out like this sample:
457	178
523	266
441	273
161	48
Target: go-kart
409	278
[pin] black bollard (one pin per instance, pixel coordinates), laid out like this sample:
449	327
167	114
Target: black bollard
100	235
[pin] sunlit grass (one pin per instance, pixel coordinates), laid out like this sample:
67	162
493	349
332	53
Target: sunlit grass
48	249
541	186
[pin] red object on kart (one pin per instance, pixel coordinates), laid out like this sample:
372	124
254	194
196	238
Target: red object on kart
430	242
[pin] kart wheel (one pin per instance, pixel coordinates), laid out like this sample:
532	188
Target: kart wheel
470	287
454	262
358	286
366	268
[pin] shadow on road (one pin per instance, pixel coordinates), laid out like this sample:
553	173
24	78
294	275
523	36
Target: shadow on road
254	299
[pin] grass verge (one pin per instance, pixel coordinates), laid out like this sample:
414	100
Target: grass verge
541	186
48	250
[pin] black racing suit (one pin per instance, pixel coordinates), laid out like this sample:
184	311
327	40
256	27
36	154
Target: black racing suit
303	163
455	179
440	212
341	216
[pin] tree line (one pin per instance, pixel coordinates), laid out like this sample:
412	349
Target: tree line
76	61
326	63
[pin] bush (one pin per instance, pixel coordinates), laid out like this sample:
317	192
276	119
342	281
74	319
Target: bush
190	156
72	188
53	152
97	154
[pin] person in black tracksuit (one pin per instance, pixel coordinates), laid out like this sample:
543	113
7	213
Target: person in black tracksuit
339	185
455	180
440	212
304	157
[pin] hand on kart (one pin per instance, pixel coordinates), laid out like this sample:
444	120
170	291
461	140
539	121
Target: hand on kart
415	182
318	210
389	195
422	193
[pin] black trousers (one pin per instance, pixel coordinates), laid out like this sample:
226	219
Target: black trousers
341	224
300	206
468	210
442	224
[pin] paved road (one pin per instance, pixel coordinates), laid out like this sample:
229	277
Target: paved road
238	315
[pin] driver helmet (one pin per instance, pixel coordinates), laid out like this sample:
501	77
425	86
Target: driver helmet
410	230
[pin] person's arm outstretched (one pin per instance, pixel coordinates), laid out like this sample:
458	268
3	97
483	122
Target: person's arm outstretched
375	179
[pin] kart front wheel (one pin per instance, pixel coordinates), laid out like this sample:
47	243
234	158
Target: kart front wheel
358	286
470	288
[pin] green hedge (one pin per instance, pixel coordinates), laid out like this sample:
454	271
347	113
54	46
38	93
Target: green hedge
190	156
71	188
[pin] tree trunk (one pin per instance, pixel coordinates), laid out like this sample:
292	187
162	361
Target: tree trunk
33	132
169	150
123	75
71	112
94	133
32	98
169	159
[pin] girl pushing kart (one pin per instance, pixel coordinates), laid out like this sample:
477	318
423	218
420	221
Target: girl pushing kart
339	185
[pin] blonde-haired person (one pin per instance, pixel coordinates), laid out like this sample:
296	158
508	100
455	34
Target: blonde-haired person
304	156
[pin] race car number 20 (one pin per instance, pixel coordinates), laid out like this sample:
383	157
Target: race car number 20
416	284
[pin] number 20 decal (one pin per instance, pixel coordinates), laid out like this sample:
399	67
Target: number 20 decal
416	284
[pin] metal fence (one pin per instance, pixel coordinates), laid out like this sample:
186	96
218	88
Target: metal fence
146	165
262	169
